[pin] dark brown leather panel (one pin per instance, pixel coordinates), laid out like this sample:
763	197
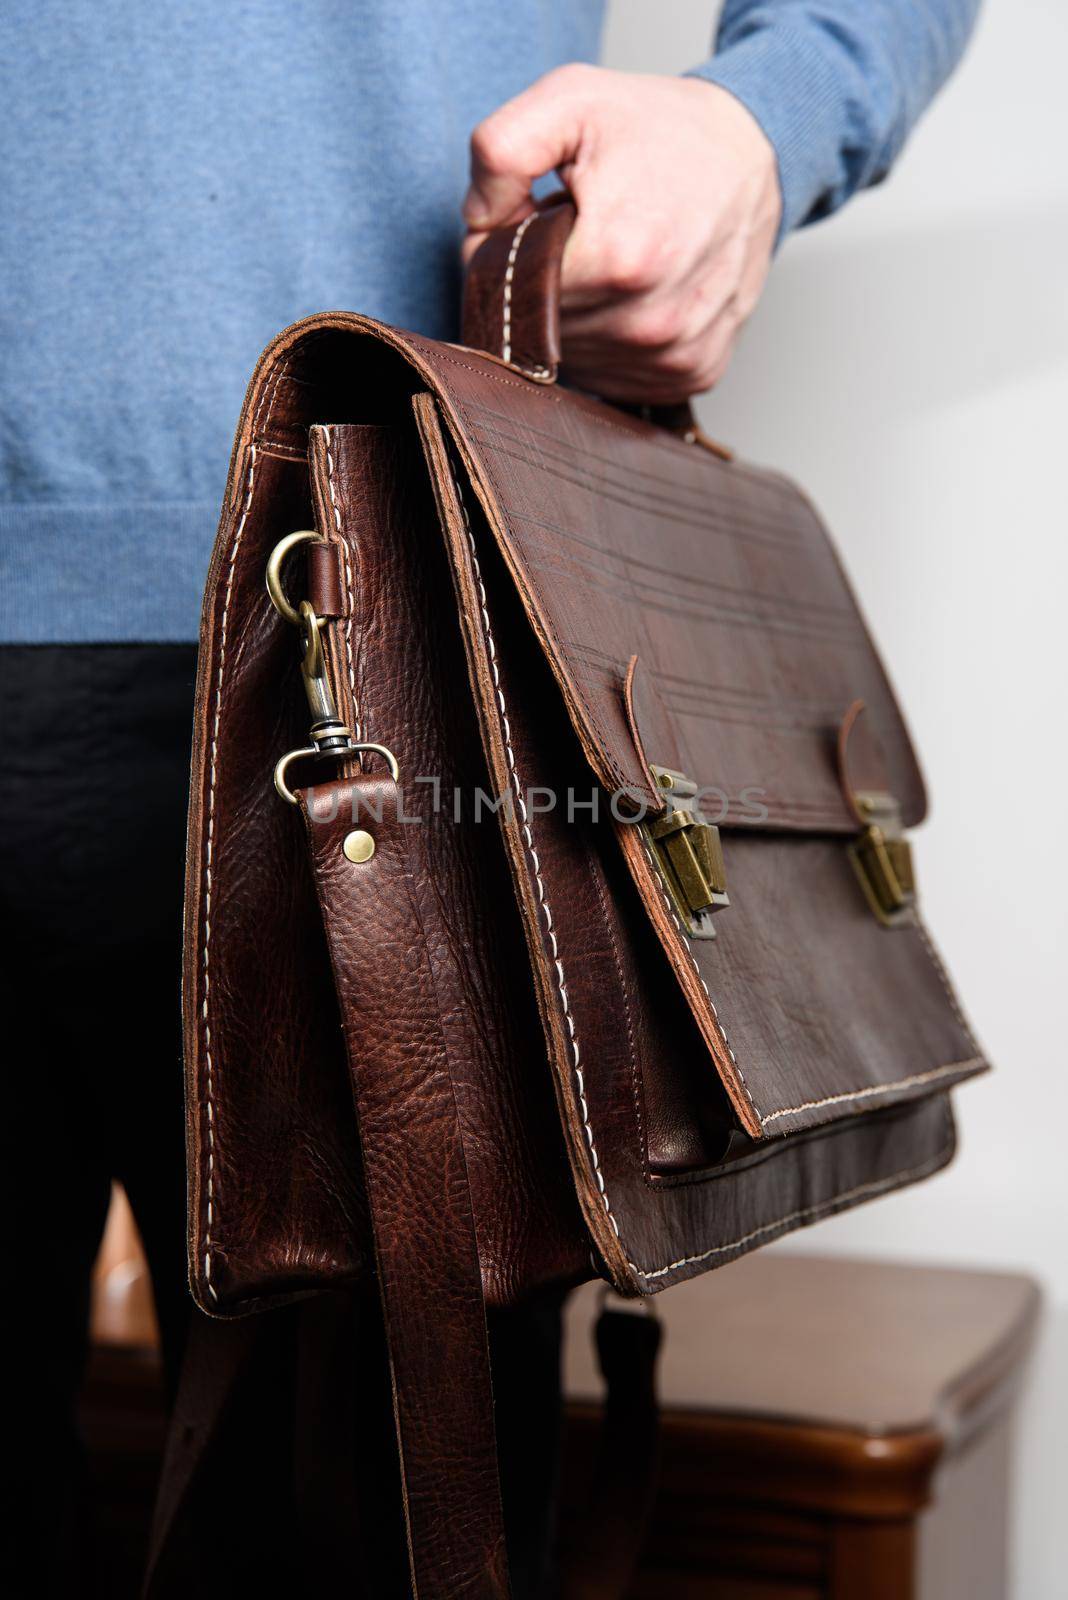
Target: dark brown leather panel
526	592
718	578
654	1107
828	1013
742	553
627	1058
403	682
416	1161
275	1202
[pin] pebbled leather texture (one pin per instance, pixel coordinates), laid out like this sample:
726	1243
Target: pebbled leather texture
401	680
488	1058
597	538
416	1157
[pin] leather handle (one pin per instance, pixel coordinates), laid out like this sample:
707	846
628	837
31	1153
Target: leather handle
511	306
512	290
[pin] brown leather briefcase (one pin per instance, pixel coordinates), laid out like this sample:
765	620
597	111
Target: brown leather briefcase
588	885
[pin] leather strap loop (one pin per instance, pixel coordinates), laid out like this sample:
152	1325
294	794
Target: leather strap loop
417	1191
326	592
861	762
512	290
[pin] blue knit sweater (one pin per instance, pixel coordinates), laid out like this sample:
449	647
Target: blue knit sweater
182	180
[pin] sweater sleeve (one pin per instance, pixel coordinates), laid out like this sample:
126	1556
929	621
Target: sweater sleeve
837	85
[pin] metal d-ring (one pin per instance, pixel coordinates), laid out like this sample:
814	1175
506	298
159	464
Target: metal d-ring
313	752
274	571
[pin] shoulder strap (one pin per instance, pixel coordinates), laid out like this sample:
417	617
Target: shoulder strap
422	1218
418	1194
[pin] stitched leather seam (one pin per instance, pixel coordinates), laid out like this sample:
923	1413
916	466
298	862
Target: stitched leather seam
435	354
205	1013
535	863
773	1149
876	1089
870	1093
637	1087
272	386
809	1213
781	1223
572	677
282	452
267	398
509	281
693	962
596	721
509	277
356	720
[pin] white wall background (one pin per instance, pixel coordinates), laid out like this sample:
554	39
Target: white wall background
909	364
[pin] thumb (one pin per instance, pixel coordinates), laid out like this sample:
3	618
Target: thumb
538	131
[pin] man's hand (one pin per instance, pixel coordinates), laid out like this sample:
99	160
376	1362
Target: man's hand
678	202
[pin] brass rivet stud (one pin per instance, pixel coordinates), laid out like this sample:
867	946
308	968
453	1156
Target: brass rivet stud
358	845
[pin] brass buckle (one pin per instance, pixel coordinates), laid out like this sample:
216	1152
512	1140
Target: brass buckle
328	734
689	853
882	860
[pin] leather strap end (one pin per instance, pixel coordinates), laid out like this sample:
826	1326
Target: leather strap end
326	589
861	763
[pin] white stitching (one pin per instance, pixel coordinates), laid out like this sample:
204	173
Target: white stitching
250	482
509	279
693	960
356	725
855	1094
876	1186
879	1088
271	389
528	838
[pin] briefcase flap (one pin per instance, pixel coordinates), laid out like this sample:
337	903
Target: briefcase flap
712	661
624	542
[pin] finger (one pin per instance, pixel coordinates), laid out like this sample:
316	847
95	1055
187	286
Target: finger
541	129
647	324
674	372
621	250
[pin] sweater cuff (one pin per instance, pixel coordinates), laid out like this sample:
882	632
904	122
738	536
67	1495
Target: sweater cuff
787	83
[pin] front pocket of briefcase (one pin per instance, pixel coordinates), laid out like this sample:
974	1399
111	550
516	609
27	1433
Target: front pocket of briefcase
698	632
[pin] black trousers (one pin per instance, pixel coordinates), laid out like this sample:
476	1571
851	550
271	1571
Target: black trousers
93	789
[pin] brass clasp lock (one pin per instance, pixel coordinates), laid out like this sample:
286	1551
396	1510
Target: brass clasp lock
882	860
689	853
328	734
